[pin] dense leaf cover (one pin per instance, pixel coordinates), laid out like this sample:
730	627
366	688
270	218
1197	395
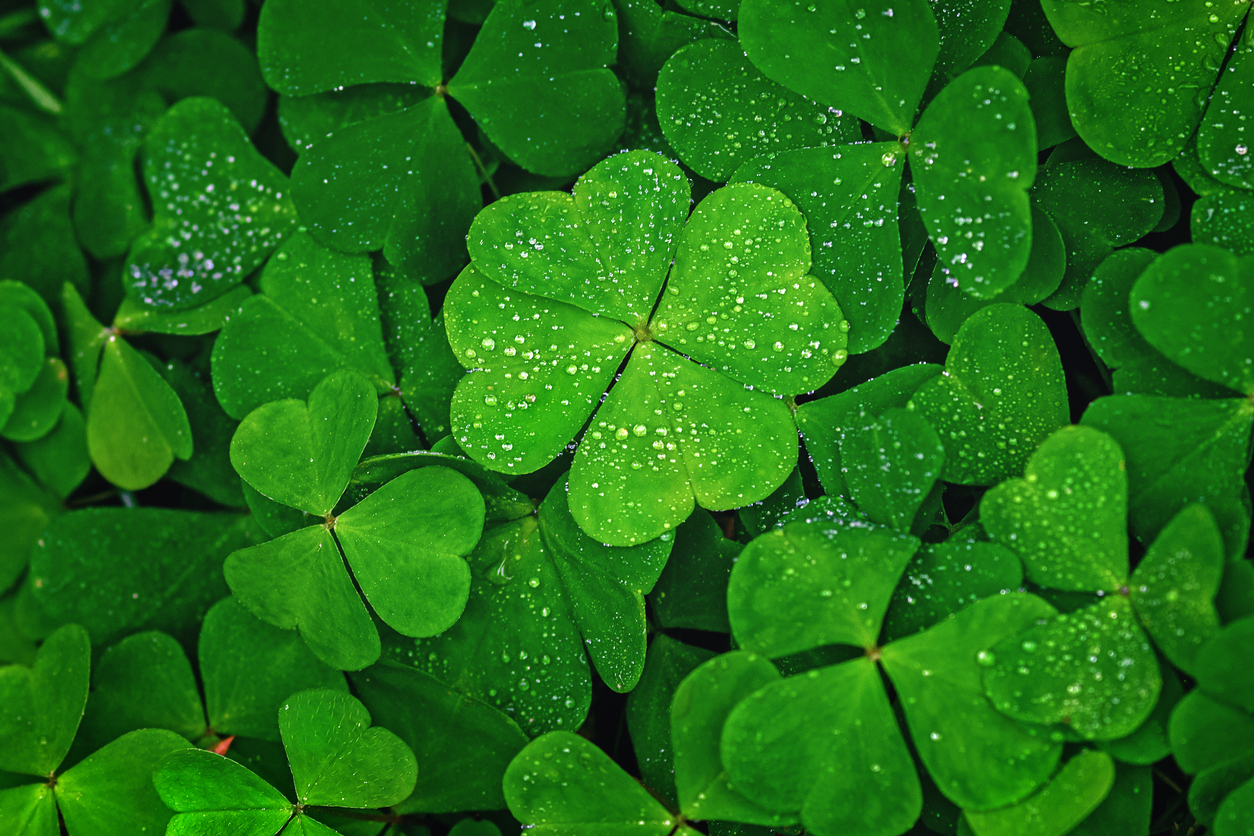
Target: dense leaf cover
626	417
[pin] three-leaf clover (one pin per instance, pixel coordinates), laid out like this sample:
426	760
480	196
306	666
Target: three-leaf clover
109	793
1067	520
337	760
401	179
570	295
404	543
823	747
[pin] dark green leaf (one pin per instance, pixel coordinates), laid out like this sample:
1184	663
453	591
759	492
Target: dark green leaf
536	81
462	746
1222	666
1174	586
1189	304
38	245
1156	98
299	581
1075	792
205	62
303	455
890	466
1178	452
825	423
517	646
1205	732
402	182
111	793
648	713
124	39
219	208
606	587
648	35
249	667
1097	206
122	570
700	708
943	578
825	745
1105	312
337	758
41	706
852	220
719	111
59	460
692	590
973	157
143	681
310	47
978	758
318	312
1223	220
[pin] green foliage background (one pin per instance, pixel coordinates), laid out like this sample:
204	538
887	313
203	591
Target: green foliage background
626	417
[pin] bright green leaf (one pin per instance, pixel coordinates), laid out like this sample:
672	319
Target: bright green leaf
219	208
563	784
111	793
1103	691
870	59
1067	517
808	585
41	706
337	758
1001	395
719	111
303	455
1075	792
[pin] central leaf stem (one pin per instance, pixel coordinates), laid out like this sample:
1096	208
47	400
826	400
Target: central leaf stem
643	333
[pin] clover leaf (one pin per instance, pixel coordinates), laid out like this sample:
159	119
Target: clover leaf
561	783
220	208
462	745
1058	807
876	58
1155	96
247	666
33	379
318	312
840	712
122	570
853	226
108	793
1067	516
337	759
544	596
1167	302
1179	451
671	431
404	542
732	95
1066	519
1001	394
971	182
347	183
